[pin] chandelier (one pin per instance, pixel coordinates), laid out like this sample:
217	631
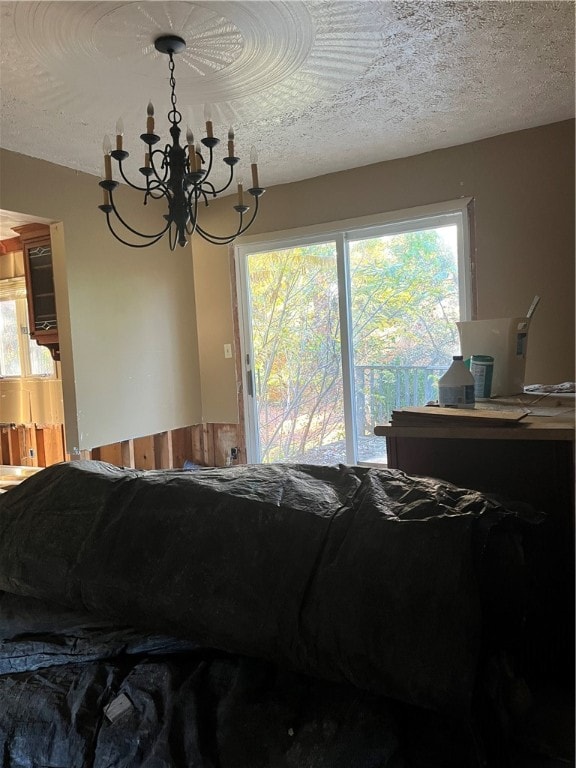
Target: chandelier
179	175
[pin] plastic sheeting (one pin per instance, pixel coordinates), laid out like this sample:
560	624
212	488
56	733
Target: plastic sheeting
331	579
185	706
179	707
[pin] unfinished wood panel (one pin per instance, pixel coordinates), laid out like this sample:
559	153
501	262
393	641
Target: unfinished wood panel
65	454
144	457
7	446
181	446
50	443
163	450
17	446
110	453
127	453
24	445
197	455
32	445
4	451
207	445
224	438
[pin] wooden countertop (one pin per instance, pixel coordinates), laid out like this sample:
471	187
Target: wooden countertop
11	475
548	417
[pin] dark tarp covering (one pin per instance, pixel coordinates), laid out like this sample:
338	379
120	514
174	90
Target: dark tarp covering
350	575
356	575
186	707
190	707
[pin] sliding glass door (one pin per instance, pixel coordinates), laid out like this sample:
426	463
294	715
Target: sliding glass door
296	365
338	331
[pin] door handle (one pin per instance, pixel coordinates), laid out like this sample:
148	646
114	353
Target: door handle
250	382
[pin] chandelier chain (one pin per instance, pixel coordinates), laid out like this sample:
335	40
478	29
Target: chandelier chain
174	115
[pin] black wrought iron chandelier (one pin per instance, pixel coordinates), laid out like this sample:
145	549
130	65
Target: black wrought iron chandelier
179	175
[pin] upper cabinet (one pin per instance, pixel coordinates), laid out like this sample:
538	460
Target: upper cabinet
37	250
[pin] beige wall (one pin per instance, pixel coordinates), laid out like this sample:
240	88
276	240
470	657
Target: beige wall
523	189
127	317
31	401
143	330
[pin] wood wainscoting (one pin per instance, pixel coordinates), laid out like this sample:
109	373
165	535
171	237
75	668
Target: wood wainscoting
207	445
31	445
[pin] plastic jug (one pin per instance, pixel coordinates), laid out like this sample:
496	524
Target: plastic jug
456	386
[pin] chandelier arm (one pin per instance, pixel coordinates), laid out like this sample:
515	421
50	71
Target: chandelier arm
165	164
211	191
172	238
125	242
151	186
217	192
225	239
192	207
210	162
157	184
127	180
212	238
191	199
159	188
205	195
128	227
195	193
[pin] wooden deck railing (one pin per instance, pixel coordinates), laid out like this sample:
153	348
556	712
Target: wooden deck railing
382	388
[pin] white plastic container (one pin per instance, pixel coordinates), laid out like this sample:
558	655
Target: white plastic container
506	340
456	386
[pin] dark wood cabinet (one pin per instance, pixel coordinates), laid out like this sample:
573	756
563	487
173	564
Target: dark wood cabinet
39	273
533	463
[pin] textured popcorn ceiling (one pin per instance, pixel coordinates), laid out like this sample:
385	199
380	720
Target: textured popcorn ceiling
316	85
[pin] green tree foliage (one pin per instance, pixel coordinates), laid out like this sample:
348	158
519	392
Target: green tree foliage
404	300
294	299
404	304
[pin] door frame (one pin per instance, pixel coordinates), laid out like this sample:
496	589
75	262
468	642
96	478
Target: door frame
341	232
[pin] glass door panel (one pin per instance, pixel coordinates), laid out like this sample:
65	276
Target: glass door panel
404	297
295	366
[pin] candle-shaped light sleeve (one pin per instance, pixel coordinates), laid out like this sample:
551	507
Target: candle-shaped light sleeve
192	158
119	133
150	119
254	166
107	148
231	142
240	191
198	154
208	118
147	160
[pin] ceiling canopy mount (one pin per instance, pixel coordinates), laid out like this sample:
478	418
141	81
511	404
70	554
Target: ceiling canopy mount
170	44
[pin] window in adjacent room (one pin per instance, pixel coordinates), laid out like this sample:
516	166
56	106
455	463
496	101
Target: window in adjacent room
339	328
20	356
